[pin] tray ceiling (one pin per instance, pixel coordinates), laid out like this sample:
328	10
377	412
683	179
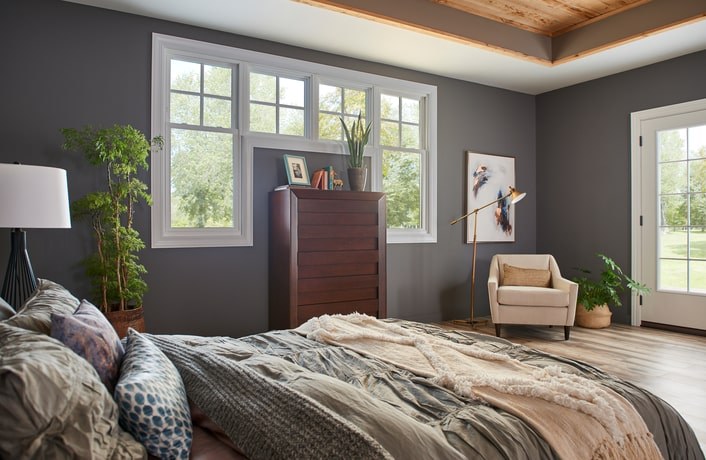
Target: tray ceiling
549	32
440	38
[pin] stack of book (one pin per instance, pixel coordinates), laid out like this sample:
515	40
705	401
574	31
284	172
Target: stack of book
323	178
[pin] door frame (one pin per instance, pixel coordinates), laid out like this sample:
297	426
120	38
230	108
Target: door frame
636	120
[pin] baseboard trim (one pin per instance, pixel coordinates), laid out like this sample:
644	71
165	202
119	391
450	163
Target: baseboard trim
669	327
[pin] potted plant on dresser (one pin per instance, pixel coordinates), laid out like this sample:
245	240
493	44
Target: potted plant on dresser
357	137
114	268
595	294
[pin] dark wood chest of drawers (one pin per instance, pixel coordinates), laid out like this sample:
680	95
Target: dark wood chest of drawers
326	255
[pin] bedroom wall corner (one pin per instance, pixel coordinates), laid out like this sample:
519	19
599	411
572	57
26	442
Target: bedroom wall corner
583	160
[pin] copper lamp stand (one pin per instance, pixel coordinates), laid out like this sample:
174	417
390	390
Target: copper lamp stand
516	196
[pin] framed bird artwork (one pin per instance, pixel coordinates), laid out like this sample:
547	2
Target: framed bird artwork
489	178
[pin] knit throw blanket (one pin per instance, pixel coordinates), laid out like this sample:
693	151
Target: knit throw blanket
262	417
578	417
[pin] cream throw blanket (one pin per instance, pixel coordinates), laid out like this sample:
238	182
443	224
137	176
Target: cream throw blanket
578	417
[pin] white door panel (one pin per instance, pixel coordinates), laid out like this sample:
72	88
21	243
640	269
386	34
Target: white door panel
671	245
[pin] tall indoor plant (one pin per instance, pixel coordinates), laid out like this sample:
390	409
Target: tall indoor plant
596	293
114	269
357	137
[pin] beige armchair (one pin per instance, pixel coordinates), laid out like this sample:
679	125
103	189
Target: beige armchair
529	289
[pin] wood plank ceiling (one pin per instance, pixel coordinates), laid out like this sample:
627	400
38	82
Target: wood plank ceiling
549	32
546	17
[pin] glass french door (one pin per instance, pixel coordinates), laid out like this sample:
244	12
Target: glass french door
672	250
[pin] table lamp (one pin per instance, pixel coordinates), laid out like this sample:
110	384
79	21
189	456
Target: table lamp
515	197
30	197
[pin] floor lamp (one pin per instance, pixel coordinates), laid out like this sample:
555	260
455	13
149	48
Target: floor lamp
515	197
30	197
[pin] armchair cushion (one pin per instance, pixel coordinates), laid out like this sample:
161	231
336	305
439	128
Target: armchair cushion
517	276
532	296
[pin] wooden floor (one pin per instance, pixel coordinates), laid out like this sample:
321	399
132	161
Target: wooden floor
669	364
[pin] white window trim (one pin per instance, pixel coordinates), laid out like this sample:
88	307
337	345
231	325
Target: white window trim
246	142
163	236
428	232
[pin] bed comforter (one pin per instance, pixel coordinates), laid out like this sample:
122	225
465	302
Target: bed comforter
281	395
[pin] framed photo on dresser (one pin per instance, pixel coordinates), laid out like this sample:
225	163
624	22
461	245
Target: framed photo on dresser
297	173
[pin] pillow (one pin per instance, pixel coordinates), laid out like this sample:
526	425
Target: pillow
90	335
6	311
516	276
152	399
52	404
35	314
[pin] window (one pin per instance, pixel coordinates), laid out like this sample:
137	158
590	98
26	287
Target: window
216	105
681	192
199	180
336	102
276	104
201	142
402	160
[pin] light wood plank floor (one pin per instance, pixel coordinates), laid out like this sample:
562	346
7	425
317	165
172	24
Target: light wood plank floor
669	364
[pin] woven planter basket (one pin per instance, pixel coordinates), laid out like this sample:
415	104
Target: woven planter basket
597	318
123	319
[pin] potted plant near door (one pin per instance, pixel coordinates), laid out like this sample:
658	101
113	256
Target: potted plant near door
595	294
114	269
356	137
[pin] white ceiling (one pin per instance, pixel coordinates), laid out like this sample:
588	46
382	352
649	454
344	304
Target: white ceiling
320	29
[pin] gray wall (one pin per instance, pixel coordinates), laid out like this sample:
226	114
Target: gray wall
583	160
68	65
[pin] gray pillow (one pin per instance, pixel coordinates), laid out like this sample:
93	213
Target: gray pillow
35	314
6	311
52	403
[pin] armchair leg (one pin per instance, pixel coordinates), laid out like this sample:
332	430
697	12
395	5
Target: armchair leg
497	330
567	332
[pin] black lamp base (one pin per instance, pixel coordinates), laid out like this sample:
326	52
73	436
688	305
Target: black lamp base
20	281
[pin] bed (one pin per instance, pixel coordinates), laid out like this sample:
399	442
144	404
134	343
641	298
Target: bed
336	387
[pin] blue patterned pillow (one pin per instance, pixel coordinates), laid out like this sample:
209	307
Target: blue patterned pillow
90	335
152	400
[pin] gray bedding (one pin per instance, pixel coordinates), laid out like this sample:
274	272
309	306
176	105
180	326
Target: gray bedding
372	402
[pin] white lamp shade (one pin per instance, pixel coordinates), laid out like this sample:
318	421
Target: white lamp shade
33	197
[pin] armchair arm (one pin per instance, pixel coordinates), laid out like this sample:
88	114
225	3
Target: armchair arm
564	284
573	289
559	282
493	283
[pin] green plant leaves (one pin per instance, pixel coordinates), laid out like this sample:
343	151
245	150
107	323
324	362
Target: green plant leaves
356	137
608	287
114	268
